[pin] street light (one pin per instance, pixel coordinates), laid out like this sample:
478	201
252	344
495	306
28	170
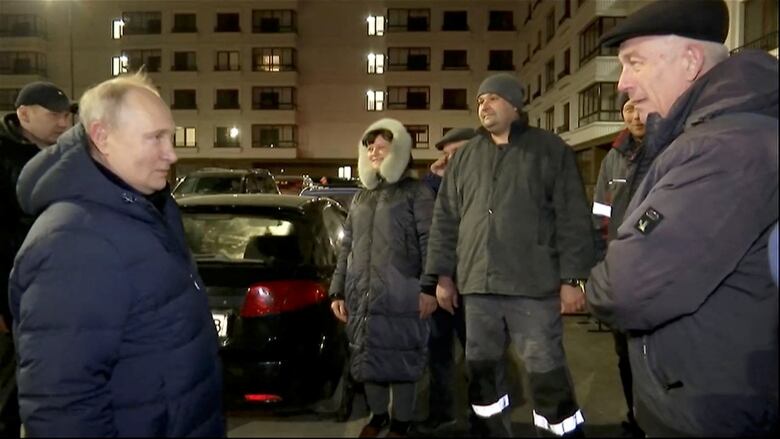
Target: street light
233	132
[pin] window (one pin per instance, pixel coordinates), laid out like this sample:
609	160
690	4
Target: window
538	86
150	60
527	54
228	22
273	59
376	63
550	28
455	60
227	137
528	13
538	42
117	28
566	11
454	99
408	98
118	65
566	64
184	100
274	21
501	20
184	62
375	100
22	63
500	60
185	137
549	74
589	39
376	25
549	119
419	135
345	172
455	21
599	103
142	22
184	23
409	20
21	25
274	136
227	61
273	98
8	98
227	99
566	115
408	58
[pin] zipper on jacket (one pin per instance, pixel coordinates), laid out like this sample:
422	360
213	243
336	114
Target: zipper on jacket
656	382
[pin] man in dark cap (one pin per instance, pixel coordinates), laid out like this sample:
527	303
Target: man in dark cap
686	276
512	219
42	114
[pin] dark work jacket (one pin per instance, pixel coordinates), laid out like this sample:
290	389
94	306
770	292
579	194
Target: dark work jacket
687	273
514	218
15	152
111	321
379	276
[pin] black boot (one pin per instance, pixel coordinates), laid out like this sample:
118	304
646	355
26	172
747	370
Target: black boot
398	429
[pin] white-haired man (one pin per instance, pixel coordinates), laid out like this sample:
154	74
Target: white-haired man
110	317
686	275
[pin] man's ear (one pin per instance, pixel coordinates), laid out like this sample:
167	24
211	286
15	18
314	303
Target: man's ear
23	113
693	57
98	132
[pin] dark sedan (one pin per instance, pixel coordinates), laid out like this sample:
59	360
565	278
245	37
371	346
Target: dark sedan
267	261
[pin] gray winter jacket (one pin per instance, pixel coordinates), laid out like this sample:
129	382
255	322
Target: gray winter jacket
687	273
514	217
380	265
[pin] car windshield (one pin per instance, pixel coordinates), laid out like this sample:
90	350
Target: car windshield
242	238
210	184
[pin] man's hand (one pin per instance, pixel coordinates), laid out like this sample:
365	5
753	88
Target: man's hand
339	310
572	299
440	165
447	294
3	327
427	305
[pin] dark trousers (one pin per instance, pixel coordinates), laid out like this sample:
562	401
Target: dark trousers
624	367
441	362
10	421
534	326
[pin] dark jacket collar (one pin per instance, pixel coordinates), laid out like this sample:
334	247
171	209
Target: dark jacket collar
517	128
626	144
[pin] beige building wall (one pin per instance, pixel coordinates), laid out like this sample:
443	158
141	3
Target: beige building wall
331	76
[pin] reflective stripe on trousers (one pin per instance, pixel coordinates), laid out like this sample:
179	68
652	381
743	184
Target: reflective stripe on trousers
486	411
566	426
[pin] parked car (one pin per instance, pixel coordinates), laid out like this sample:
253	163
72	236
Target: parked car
226	181
343	194
267	261
292	184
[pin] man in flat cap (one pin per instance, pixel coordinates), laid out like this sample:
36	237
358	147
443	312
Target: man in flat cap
686	276
512	219
43	112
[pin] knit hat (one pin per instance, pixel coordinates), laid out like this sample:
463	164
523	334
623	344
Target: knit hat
45	94
505	85
706	20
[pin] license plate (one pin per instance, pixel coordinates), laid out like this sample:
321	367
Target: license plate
220	323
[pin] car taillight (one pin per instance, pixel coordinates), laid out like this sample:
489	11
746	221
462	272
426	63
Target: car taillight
276	297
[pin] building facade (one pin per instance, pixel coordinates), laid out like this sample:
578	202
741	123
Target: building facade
290	84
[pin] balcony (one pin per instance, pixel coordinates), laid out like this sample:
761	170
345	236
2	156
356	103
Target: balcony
562	129
767	42
563	73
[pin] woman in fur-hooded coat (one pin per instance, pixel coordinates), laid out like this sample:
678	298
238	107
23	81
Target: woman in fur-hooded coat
378	275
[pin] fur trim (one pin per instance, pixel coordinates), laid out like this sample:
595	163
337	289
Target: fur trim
396	161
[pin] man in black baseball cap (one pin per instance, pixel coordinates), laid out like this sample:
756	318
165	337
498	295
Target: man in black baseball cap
686	275
43	112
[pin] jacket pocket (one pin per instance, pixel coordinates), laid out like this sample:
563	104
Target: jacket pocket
546	270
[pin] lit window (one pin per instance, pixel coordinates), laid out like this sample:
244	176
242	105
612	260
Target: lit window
345	172
376	25
376	63
117	28
118	65
185	137
375	100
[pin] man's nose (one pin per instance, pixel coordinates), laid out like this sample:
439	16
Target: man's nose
625	82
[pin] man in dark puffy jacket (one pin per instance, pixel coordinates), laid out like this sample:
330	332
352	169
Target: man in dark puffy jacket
686	275
42	114
512	220
616	184
111	321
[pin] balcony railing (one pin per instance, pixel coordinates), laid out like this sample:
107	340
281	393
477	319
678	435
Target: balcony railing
766	42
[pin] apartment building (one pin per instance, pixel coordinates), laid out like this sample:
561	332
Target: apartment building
291	84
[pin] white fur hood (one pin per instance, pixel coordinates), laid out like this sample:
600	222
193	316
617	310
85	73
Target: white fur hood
397	160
